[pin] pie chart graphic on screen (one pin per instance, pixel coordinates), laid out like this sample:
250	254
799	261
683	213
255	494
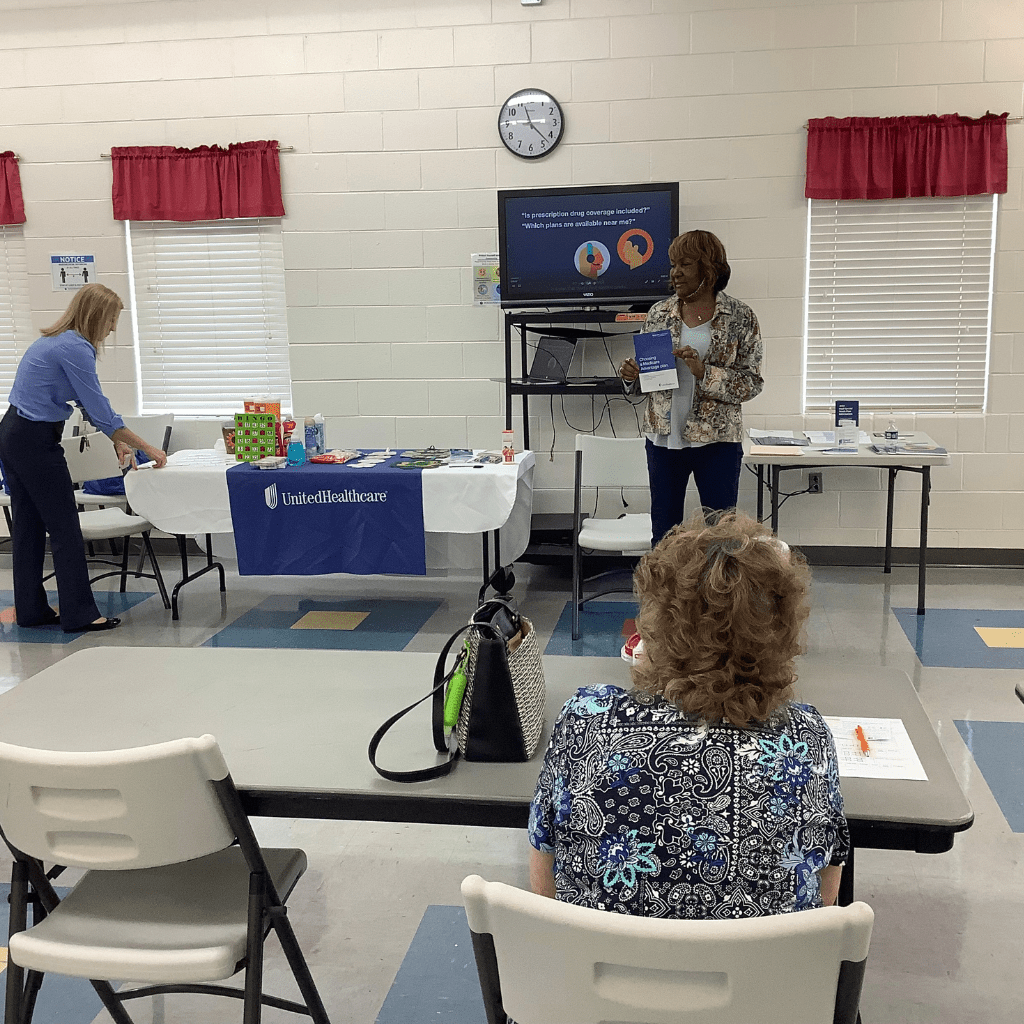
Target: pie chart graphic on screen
592	259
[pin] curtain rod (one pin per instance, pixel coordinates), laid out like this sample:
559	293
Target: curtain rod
280	149
1009	120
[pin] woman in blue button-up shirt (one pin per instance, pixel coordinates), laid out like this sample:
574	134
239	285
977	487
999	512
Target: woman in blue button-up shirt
59	368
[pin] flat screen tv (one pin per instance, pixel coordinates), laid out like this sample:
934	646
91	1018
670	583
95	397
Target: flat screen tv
586	246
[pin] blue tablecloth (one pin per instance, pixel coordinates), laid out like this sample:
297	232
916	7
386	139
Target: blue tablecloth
316	519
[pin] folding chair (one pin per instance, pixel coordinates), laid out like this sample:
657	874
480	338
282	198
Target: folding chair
92	457
167	901
606	462
542	961
149	428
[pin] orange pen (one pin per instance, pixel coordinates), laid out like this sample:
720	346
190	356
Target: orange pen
864	748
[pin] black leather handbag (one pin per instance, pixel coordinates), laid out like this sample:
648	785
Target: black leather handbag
501	713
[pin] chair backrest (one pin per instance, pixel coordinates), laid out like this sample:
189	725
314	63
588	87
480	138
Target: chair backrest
561	963
154	429
90	457
115	809
612	461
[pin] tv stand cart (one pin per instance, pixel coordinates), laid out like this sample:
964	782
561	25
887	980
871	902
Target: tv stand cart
536	322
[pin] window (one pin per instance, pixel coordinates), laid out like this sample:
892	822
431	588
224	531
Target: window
899	300
16	332
208	312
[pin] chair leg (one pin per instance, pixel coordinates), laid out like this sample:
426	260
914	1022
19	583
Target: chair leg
577	584
252	1008
18	922
300	969
124	563
28	1005
156	569
111	1003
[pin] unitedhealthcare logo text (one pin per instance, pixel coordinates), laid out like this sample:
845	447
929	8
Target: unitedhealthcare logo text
321	497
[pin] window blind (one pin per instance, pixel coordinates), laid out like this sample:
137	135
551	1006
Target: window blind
208	310
899	302
16	332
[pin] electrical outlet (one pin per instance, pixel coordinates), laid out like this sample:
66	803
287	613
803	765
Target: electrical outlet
815	484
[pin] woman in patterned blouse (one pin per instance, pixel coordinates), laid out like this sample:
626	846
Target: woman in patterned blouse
704	791
697	427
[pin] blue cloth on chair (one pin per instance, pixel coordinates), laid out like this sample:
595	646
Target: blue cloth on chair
111	485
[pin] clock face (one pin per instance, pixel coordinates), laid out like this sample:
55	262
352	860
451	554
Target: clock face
530	123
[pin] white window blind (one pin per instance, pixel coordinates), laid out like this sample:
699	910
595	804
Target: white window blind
16	332
208	309
899	302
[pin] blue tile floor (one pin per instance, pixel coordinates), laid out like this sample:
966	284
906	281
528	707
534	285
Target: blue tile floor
437	982
947	638
348	625
998	750
604	628
110	603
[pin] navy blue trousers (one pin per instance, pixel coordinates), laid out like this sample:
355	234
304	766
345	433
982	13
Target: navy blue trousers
716	472
43	502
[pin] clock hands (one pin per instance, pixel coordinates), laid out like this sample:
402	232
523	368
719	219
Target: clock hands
532	125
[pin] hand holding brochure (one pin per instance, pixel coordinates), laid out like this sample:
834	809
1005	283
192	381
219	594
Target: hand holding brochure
656	362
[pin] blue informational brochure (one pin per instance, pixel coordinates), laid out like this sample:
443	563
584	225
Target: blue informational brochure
656	362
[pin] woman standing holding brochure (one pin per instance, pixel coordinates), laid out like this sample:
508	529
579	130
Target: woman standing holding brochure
697	428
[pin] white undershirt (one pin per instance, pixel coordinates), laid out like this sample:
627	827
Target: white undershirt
698	338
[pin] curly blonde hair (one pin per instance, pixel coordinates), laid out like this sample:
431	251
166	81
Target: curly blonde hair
722	611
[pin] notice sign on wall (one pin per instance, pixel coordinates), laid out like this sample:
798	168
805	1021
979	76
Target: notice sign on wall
69	273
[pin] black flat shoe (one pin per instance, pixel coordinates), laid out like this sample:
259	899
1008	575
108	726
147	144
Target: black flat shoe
96	627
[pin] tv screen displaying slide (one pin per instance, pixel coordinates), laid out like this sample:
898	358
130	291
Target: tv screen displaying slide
598	245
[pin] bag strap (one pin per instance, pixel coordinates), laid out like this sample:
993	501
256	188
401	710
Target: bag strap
437	719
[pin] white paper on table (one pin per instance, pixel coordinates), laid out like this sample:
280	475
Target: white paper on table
892	753
821	436
755	432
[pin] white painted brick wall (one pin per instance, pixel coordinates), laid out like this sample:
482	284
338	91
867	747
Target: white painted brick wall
391	108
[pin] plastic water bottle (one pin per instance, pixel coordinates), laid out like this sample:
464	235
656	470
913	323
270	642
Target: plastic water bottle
309	433
892	431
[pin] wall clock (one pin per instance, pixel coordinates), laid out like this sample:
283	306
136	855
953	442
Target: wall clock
530	123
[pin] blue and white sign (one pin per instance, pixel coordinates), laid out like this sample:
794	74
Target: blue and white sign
316	519
68	273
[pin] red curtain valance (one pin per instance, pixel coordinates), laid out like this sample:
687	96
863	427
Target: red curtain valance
207	183
12	206
898	157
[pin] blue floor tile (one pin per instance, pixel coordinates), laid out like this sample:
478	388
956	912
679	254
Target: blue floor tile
437	982
945	637
111	603
62	1000
601	625
388	626
998	751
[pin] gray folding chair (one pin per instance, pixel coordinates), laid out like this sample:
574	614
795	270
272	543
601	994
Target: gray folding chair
545	962
177	892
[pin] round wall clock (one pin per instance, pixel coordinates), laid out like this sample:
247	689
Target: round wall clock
530	123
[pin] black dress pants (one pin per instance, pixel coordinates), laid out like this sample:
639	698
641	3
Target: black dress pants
43	502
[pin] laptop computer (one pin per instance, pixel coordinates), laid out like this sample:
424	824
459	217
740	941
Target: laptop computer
552	361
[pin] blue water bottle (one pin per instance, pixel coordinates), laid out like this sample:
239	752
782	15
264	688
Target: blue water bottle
296	452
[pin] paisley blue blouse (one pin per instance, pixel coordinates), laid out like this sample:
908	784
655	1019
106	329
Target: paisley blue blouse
654	813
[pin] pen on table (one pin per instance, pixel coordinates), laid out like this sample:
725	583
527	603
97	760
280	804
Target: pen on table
863	740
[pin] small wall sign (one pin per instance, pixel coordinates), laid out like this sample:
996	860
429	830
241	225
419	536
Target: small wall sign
68	273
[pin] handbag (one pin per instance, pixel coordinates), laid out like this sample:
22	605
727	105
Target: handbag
494	694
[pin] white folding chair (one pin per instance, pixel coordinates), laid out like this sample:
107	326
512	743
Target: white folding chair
151	429
606	462
92	457
167	900
545	962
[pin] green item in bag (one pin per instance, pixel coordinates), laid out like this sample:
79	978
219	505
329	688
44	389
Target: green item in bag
456	690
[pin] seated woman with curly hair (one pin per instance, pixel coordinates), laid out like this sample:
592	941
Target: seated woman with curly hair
704	791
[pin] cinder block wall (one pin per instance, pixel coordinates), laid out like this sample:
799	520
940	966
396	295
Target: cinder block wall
391	109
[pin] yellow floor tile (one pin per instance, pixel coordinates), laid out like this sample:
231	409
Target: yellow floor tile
1001	636
330	620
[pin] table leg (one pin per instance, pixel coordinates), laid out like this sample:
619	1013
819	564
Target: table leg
846	882
926	488
186	578
776	475
487	557
893	470
760	492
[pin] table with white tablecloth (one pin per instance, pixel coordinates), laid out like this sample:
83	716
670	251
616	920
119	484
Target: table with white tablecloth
189	497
